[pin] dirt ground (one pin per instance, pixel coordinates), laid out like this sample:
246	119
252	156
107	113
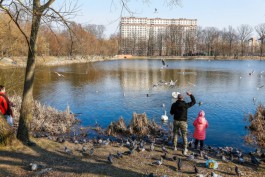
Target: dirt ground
54	161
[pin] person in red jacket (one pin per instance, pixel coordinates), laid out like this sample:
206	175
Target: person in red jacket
5	106
200	124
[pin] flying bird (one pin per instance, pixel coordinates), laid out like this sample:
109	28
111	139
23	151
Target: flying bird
155	10
60	75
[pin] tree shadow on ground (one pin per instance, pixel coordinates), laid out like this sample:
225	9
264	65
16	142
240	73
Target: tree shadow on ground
62	164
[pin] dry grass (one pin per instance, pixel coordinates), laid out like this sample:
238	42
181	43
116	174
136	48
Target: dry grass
15	161
45	118
256	128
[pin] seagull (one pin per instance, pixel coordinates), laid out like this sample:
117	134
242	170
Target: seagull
164	64
192	84
200	103
172	83
251	73
34	166
60	75
260	87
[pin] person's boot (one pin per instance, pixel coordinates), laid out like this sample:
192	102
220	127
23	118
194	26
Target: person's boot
185	151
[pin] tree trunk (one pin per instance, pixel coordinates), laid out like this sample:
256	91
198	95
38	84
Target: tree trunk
27	99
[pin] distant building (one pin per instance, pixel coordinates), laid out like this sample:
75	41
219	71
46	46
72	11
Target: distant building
156	36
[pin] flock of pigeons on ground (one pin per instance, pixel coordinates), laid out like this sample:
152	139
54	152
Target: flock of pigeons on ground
162	144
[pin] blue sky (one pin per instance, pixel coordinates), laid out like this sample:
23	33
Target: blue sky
209	13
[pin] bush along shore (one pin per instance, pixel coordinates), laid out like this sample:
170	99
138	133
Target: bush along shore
142	148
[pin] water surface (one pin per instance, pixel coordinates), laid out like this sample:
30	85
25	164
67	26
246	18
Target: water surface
105	91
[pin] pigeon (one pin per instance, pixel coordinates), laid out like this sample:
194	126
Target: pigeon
224	159
150	175
91	151
190	143
110	158
164	149
34	166
164	156
67	150
215	175
191	157
152	147
159	162
255	160
119	154
196	170
60	139
237	170
179	164
155	10
84	149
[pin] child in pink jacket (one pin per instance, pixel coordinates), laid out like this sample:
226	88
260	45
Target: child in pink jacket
200	125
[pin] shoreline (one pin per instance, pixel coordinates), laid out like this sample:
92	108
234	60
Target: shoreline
63	60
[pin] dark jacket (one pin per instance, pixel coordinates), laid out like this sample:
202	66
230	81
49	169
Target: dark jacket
180	109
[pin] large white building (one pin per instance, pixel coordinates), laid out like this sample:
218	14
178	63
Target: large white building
156	36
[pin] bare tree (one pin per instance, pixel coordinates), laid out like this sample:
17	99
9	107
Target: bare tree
231	37
244	32
37	11
260	29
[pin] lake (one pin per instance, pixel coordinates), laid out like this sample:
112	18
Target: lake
104	91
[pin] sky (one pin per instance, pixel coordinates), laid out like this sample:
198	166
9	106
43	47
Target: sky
209	13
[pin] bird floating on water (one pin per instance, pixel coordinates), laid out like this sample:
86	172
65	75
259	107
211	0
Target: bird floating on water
164	117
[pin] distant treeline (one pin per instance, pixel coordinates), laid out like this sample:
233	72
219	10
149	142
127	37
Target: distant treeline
89	40
80	40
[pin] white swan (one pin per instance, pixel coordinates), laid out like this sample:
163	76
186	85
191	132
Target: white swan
164	117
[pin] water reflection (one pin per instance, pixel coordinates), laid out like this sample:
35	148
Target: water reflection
104	91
